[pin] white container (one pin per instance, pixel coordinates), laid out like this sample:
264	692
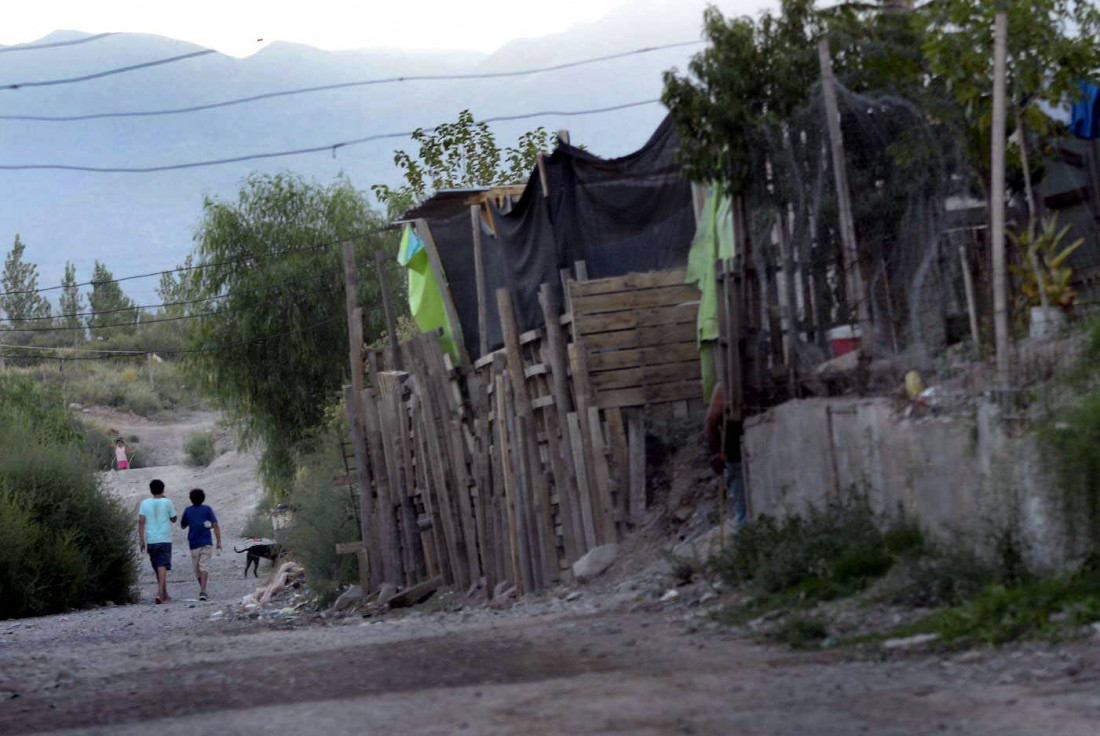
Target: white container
1046	322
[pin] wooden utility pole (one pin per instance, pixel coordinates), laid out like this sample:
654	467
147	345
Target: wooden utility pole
857	301
479	279
997	201
355	327
387	307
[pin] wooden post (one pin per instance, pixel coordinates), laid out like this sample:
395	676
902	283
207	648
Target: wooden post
635	436
971	307
479	278
425	233
563	136
543	179
387	307
366	500
511	344
857	301
355	341
997	201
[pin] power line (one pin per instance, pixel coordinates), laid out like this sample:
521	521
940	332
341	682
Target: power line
53	44
180	269
333	147
182	351
107	72
346	85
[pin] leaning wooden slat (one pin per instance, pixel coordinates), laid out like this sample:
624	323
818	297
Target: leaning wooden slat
414	550
465	506
635	430
384	508
640	357
387	415
442	501
620	484
557	358
435	560
366	498
647	376
589	324
586	506
631	282
511	516
642	395
600	450
666	296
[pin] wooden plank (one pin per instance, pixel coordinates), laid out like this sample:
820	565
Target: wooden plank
635	432
389	421
512	349
425	234
642	337
479	281
605	519
345	480
530	336
366	500
654	374
588	521
355	327
434	557
535	370
387	308
620	462
633	358
630	282
642	395
543	402
648	298
511	516
348	548
587	324
380	470
465	506
486	360
411	529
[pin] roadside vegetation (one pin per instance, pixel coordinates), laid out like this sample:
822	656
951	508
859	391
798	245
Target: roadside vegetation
201	449
64	544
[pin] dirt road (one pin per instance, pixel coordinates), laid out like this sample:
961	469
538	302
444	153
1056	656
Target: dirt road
586	661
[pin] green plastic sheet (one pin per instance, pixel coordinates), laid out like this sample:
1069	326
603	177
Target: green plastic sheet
425	298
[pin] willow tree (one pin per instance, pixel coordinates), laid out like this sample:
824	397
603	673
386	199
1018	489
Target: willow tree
272	352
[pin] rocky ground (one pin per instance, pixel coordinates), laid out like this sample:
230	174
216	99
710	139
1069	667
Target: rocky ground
630	652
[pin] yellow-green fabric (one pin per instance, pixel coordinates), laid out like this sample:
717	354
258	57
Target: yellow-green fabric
713	240
425	298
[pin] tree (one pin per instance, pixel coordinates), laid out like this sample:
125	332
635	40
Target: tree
175	288
71	303
275	354
20	302
459	155
109	304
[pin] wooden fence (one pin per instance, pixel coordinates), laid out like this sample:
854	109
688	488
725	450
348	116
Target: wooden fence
514	467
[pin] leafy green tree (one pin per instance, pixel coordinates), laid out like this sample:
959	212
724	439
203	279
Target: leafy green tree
1051	47
109	304
457	155
20	303
276	353
71	303
175	288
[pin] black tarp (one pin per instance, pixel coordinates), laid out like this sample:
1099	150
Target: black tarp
624	215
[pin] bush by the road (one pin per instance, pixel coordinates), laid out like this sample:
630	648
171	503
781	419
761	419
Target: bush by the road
63	542
200	449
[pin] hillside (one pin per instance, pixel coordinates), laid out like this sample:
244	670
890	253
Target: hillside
144	222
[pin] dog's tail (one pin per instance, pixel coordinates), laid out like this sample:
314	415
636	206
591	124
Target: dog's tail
238	551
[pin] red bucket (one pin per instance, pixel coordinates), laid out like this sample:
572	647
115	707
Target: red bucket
843	339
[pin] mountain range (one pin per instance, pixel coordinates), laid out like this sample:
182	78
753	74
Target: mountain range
142	222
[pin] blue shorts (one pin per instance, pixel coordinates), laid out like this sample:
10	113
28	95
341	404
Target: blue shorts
160	555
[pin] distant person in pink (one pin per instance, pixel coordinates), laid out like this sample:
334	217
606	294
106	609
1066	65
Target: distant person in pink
122	460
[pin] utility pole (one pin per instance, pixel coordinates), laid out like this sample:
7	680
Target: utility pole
857	296
997	201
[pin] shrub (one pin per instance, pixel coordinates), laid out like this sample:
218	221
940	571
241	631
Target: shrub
63	543
827	553
325	517
200	449
259	524
100	448
801	632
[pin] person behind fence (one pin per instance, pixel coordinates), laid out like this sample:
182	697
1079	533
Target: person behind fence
122	459
155	518
199	521
724	445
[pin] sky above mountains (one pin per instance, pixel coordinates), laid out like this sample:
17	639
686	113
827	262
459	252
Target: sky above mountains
143	222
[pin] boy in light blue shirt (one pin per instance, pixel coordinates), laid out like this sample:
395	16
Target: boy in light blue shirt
155	518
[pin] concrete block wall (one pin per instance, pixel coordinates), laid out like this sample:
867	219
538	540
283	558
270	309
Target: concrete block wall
961	474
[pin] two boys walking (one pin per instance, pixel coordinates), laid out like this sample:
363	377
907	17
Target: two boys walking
155	518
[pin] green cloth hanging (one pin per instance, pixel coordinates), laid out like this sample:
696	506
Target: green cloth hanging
713	240
425	298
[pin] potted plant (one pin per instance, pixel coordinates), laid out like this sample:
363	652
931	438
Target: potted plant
1044	257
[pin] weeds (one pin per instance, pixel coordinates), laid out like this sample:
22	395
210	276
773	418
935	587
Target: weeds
259	524
200	449
801	632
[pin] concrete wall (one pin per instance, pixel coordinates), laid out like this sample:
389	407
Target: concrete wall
961	474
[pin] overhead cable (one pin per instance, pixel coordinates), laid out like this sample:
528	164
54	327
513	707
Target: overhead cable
52	44
106	72
331	147
346	85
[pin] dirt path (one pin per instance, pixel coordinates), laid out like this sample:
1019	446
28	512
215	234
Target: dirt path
594	661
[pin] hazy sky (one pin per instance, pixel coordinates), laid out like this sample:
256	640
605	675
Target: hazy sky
233	26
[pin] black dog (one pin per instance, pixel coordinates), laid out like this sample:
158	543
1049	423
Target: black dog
255	552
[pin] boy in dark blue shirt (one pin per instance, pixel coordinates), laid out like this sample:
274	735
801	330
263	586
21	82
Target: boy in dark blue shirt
199	521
